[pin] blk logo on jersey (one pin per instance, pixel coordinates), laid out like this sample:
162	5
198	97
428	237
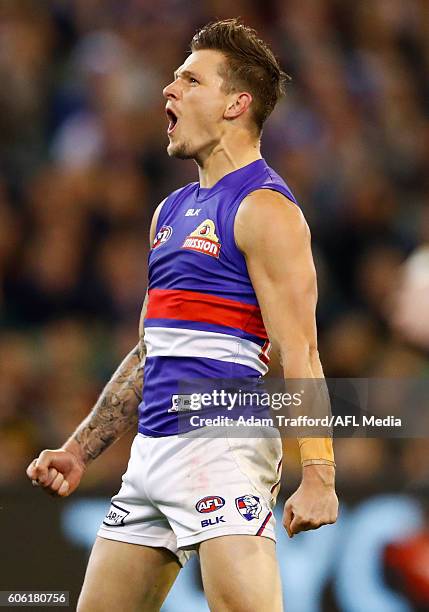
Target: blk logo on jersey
210	503
204	240
115	516
162	236
192	212
248	506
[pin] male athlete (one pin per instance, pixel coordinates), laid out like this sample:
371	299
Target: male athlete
230	267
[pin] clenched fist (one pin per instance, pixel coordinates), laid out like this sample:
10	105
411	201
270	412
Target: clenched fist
315	502
58	472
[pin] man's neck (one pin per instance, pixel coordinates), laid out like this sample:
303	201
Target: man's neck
225	158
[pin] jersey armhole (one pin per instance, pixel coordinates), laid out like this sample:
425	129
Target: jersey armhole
160	214
171	199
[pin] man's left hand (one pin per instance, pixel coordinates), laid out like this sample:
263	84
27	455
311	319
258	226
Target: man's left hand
314	503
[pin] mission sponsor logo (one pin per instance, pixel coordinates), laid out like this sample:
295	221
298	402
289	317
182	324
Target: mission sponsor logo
211	503
204	240
162	236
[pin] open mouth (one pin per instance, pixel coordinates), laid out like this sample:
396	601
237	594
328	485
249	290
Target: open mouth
172	119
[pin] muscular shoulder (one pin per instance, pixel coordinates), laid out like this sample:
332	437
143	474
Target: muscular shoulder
268	216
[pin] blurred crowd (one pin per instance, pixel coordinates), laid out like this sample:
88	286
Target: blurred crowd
83	165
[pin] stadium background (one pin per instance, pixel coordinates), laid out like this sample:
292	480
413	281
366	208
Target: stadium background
82	167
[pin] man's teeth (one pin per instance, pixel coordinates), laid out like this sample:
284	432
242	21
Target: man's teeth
172	123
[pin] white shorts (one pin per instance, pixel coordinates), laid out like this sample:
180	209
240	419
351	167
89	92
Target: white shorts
179	491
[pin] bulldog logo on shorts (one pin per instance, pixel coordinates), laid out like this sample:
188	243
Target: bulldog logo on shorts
248	506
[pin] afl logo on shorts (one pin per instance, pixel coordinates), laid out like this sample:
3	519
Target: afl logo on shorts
162	236
204	240
248	506
210	504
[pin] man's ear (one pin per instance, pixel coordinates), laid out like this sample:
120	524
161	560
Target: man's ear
237	105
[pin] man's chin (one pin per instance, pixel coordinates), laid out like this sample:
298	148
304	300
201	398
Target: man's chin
180	151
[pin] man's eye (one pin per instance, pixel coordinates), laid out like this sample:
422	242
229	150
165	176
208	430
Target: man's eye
192	80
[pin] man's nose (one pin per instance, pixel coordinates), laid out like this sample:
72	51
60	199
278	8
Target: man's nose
171	92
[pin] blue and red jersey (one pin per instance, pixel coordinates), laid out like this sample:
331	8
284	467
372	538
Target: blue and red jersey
203	319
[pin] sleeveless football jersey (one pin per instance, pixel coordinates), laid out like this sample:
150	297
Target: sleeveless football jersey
203	319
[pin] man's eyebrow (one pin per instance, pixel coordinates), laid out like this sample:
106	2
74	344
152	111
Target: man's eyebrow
185	73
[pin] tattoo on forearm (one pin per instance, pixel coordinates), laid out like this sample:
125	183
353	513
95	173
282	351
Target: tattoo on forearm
116	409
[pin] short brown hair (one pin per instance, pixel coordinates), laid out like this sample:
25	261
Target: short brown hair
250	64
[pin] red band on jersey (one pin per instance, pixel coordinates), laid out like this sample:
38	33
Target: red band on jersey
206	308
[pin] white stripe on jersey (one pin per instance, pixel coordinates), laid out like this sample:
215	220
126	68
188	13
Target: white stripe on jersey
175	342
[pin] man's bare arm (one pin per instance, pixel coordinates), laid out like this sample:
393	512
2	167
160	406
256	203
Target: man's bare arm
275	240
60	471
116	412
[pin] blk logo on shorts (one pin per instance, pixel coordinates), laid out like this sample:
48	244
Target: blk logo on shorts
248	506
116	516
211	503
213	521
